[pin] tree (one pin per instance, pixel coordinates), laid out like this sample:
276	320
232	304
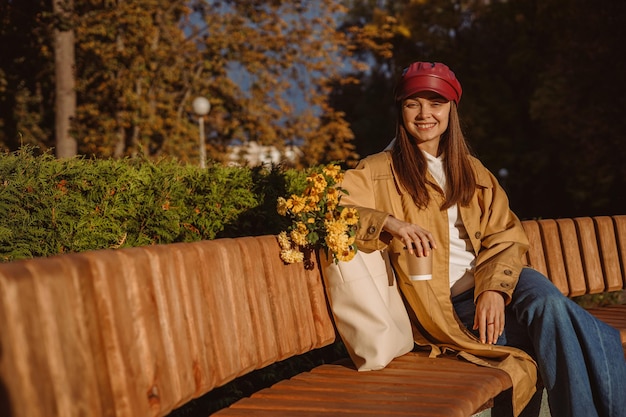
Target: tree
136	73
545	100
26	74
285	55
65	97
542	98
419	30
267	68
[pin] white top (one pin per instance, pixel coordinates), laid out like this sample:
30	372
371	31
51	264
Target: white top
462	259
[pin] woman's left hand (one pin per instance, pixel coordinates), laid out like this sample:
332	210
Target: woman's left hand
489	318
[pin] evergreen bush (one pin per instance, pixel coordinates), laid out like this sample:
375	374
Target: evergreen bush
50	206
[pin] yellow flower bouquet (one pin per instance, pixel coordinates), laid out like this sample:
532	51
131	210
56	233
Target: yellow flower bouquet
318	221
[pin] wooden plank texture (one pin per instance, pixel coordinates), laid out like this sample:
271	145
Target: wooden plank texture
535	255
412	385
620	235
573	261
553	254
609	256
590	254
140	331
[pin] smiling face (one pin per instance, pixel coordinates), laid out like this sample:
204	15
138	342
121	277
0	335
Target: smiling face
426	116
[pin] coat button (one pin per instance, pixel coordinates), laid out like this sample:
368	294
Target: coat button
508	272
477	235
371	230
505	285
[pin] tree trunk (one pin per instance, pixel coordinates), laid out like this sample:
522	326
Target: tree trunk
65	97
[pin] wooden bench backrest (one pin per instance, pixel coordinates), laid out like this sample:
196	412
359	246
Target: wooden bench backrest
139	331
584	255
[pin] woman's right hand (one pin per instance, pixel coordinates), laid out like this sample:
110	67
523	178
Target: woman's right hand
412	235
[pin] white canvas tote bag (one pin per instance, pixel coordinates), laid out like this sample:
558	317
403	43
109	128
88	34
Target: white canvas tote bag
369	312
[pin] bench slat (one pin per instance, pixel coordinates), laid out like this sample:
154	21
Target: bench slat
130	339
609	255
175	272
575	279
193	331
620	233
301	407
263	326
294	325
306	287
47	380
590	254
228	317
535	255
553	254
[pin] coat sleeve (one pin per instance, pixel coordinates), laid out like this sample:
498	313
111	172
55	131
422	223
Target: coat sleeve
500	240
360	187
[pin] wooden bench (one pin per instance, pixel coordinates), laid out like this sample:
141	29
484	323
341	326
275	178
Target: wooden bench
141	331
583	256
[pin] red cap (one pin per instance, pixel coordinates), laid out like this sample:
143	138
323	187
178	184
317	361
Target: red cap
430	76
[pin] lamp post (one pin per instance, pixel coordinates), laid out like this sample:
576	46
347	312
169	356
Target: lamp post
201	107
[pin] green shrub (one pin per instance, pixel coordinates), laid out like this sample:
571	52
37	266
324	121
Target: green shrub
50	206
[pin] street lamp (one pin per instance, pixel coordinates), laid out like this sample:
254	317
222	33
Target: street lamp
201	107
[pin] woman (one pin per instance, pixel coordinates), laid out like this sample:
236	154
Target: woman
427	195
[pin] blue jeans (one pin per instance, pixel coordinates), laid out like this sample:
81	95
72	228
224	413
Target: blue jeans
580	358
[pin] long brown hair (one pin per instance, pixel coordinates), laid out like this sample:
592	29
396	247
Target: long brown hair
410	163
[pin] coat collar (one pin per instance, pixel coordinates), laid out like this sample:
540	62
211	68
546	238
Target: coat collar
483	178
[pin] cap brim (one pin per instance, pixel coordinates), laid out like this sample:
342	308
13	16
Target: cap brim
421	83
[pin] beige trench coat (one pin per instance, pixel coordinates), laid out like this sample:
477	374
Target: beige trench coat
498	241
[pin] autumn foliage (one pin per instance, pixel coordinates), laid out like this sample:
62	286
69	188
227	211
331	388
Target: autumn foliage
266	67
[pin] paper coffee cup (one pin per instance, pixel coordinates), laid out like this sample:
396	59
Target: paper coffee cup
420	267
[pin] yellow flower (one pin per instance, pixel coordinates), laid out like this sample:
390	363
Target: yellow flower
332	171
332	199
349	215
283	241
332	194
298	238
298	234
301	227
311	205
336	227
319	183
345	255
309	191
337	241
312	194
318	221
291	256
281	206
298	204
